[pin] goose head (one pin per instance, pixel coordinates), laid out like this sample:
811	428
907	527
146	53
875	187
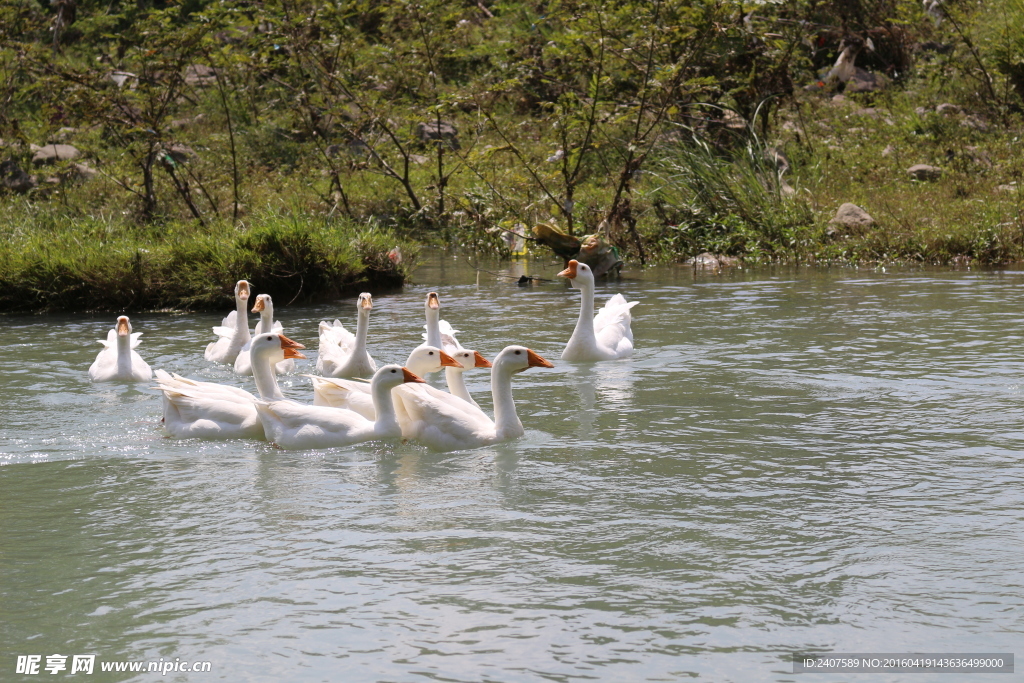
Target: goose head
264	303
468	358
242	290
433	303
275	347
518	358
391	376
426	359
124	328
365	304
579	274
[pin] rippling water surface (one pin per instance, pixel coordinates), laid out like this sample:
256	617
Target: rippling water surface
796	460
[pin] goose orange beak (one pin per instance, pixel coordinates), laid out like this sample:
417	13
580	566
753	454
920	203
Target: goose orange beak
449	362
366	302
259	305
433	301
480	361
569	272
290	347
536	361
123	329
411	376
242	290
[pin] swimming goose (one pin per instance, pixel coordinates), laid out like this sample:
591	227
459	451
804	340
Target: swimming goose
118	360
343	354
233	331
606	336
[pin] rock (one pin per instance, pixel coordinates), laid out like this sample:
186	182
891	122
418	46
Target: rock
924	172
180	154
418	159
63	135
1012	187
438	132
865	81
13	178
947	109
332	151
198	75
922	111
78	173
889	149
712	261
175	124
777	158
975	122
851	217
51	154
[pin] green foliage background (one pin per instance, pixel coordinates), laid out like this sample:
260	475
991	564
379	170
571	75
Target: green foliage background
657	123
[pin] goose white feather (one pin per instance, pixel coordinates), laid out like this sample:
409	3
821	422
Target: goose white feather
118	360
208	410
439	333
356	396
442	425
343	354
296	426
606	336
265	307
233	331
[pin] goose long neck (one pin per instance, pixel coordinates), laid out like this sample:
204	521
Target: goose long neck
242	317
267	318
457	384
362	326
585	324
433	327
124	353
506	420
384	405
266	381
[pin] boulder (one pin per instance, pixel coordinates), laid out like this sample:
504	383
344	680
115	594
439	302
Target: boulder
180	154
924	172
851	217
434	132
949	109
51	154
199	75
14	178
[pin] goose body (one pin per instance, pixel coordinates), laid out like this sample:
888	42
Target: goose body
444	425
439	333
208	410
118	360
233	331
343	354
265	307
606	336
296	426
356	396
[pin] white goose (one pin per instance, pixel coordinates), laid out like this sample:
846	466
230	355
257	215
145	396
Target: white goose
341	353
443	425
439	332
233	331
354	395
208	410
292	425
265	307
467	358
118	360
606	336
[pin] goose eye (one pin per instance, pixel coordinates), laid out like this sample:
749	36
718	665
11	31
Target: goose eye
518	352
393	372
431	353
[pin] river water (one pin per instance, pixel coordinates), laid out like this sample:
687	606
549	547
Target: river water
795	460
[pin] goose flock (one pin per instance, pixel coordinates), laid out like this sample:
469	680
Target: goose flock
395	404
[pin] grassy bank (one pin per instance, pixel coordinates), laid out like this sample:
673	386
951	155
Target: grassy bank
230	139
102	265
